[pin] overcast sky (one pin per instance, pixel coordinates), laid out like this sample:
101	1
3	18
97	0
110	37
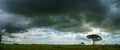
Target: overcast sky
50	36
59	21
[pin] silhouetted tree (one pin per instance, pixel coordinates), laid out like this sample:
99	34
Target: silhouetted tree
82	43
15	44
0	38
94	38
2	32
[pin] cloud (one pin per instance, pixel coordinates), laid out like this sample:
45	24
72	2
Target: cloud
59	21
62	15
11	23
111	24
46	7
52	37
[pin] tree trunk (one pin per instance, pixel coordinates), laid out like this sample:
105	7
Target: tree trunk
0	38
93	42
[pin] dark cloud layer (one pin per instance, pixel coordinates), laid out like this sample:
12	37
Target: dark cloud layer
48	7
65	15
12	23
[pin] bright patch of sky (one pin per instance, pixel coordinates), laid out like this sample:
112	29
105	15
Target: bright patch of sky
51	36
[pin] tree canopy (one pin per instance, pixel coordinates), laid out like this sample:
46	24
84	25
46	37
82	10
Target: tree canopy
94	38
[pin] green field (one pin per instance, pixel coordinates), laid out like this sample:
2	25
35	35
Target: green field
57	47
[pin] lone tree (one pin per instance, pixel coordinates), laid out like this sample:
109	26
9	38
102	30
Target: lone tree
2	32
94	38
0	38
82	43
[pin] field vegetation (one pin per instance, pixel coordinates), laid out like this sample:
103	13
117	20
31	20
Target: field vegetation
57	47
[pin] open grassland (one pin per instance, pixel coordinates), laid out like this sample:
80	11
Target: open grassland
57	47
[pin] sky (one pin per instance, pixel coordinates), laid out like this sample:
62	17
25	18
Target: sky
59	21
50	36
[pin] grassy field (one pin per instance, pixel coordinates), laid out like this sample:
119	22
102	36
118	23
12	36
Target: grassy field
57	47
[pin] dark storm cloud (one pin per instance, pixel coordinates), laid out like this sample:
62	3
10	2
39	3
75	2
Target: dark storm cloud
11	23
57	14
48	7
112	21
64	15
